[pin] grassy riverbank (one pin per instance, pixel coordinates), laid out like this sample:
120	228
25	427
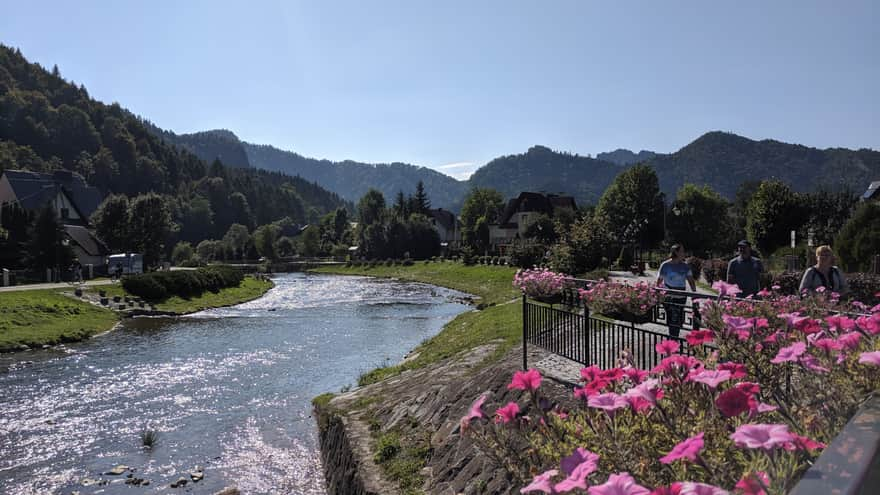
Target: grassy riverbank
44	317
499	321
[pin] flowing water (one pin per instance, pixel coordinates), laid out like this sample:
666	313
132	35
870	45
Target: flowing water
228	390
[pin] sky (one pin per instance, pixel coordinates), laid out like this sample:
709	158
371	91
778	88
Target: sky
451	85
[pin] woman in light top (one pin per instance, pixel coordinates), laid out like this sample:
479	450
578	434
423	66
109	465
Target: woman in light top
673	274
824	274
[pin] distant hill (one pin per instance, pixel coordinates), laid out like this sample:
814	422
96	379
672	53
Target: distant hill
219	144
725	160
351	180
625	157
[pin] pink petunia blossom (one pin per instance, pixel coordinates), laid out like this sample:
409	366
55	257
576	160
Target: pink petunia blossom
733	402
828	345
710	378
737	370
677	362
803	443
700	337
840	322
619	484
667	347
525	380
691	488
810	362
673	489
687	449
850	340
725	289
649	391
475	412
739	326
790	353
635	375
608	402
590	373
612	375
761	436
870	324
764	293
578	466
872	358
507	413
753	483
541	483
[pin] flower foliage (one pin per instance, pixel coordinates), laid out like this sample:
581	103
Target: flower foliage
747	415
615	297
540	282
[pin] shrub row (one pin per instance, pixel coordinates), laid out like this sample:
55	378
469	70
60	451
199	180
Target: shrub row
154	286
375	263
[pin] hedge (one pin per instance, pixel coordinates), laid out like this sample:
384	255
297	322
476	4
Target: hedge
155	286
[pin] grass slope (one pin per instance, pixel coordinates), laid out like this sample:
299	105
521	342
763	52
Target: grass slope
249	289
501	321
38	317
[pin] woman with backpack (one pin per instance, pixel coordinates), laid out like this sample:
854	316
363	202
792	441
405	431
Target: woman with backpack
824	273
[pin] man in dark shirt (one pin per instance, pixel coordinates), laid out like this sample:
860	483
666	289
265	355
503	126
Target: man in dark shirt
745	270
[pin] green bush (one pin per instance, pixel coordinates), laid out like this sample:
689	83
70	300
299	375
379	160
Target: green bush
183	283
144	286
788	282
696	265
526	256
715	270
864	287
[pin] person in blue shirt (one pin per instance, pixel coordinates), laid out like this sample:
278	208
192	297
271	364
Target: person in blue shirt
673	274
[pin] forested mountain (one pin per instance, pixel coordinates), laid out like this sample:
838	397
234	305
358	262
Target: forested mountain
625	157
725	160
218	144
48	123
542	169
351	180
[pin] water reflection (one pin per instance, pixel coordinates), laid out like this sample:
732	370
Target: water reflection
227	389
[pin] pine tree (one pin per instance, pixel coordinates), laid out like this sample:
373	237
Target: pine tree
421	202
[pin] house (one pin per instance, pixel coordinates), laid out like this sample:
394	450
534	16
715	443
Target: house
446	225
521	212
73	200
873	192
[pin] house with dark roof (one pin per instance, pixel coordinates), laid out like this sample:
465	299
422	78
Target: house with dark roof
446	225
67	193
521	212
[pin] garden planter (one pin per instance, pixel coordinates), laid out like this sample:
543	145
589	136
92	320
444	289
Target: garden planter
627	316
549	299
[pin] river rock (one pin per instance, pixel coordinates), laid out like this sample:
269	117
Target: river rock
118	470
230	490
196	474
180	482
90	482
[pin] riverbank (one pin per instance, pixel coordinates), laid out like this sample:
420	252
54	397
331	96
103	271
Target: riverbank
498	321
35	318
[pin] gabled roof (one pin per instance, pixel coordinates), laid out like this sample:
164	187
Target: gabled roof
443	217
537	202
86	240
33	189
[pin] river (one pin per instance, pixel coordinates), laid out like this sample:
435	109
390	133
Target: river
228	389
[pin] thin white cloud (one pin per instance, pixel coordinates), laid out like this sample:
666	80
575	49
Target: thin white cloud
455	165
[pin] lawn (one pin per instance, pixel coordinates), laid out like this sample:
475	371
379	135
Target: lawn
40	317
501	320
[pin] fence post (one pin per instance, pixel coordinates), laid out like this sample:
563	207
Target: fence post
875	264
586	327
525	336
5	277
696	319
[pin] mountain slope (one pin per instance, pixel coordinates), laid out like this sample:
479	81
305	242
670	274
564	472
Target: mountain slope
351	180
625	157
219	144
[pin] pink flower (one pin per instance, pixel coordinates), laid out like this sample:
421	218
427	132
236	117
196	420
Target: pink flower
525	380
811	363
870	324
687	449
691	488
725	289
761	436
828	345
635	375
649	391
591	373
699	337
741	327
475	412
612	375
619	484
872	358
608	402
711	378
803	443
578	466
841	322
737	370
541	483
850	340
733	402
753	483
764	293
507	413
790	353
667	347
673	489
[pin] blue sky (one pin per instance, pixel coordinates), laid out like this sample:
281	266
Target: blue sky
451	85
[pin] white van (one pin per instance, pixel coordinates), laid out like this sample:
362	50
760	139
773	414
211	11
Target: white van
130	263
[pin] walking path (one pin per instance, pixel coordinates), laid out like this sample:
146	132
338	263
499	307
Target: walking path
58	285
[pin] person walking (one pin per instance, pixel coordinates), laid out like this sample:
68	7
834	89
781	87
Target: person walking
745	270
823	274
672	275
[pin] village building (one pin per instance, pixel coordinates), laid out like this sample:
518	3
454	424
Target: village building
520	213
